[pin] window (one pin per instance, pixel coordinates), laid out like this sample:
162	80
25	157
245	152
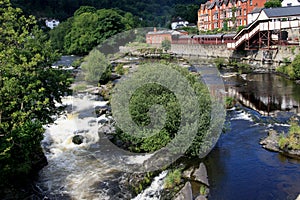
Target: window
245	12
251	2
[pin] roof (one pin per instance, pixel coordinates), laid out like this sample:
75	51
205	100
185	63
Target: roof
178	19
256	10
171	32
282	11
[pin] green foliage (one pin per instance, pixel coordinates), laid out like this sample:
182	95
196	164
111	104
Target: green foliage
173	179
58	34
119	69
187	12
88	28
229	102
292	70
292	140
203	190
153	94
147	13
29	88
85	9
272	4
220	62
166	45
240	28
79	87
191	30
96	67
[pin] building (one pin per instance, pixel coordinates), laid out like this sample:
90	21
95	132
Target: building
273	27
51	23
178	22
218	14
252	16
286	3
156	37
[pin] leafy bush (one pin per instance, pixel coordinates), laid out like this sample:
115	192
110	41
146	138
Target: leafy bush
148	95
293	69
292	140
173	179
220	62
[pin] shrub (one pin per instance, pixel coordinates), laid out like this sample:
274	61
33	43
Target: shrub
292	140
173	179
220	62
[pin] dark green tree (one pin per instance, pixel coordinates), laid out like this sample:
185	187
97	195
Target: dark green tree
90	29
272	4
29	88
85	9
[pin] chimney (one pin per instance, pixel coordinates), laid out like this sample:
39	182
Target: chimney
154	29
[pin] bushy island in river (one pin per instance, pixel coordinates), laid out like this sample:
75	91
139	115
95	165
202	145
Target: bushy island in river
285	143
169	113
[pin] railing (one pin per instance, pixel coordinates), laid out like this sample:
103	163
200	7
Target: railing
265	26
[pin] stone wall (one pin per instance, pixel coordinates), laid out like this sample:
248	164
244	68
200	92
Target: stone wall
269	59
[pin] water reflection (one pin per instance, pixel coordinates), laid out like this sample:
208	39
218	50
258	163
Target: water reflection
265	93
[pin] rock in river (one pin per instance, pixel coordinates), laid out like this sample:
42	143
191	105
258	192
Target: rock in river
78	139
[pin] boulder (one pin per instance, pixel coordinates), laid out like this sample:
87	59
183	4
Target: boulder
187	173
201	197
185	193
77	139
200	174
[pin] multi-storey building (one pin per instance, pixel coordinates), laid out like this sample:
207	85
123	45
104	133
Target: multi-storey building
217	14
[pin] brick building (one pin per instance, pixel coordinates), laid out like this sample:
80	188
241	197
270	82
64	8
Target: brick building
156	37
217	14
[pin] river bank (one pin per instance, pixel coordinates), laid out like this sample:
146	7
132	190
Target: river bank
236	168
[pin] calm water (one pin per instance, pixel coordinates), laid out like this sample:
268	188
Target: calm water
239	168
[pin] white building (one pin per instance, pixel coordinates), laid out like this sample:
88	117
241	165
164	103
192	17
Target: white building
286	3
252	16
179	23
51	23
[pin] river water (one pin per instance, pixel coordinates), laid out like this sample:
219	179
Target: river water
238	167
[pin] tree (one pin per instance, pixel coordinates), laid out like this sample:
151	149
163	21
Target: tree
150	94
272	4
96	67
90	29
57	35
166	44
29	88
85	9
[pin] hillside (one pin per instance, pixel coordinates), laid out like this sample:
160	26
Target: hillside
150	12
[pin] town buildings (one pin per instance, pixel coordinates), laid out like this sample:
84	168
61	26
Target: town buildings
157	36
218	14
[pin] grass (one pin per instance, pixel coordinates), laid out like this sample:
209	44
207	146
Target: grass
80	87
173	179
292	139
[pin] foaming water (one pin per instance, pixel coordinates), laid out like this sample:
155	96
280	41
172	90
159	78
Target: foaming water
72	171
153	192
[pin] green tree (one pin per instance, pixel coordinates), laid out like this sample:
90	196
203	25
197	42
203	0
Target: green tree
96	67
151	94
272	4
57	35
85	9
166	44
90	29
29	88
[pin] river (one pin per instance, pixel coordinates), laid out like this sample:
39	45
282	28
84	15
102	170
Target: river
238	167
